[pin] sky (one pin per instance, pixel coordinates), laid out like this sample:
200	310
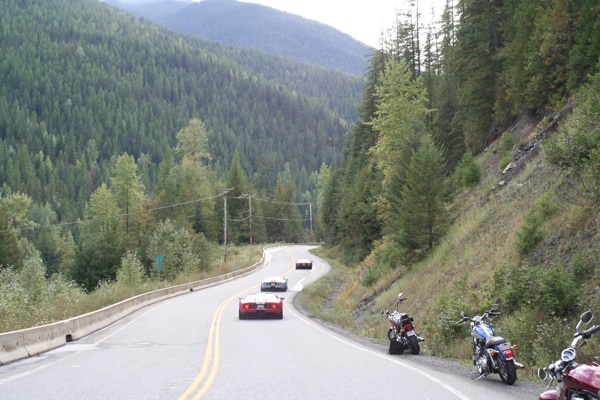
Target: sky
363	20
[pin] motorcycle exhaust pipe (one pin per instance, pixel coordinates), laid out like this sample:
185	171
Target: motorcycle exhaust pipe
519	365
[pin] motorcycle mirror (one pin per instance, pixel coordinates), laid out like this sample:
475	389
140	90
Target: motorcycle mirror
542	374
462	314
587	317
494	307
400	295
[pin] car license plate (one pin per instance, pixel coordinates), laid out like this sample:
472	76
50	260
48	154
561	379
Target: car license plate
410	333
260	306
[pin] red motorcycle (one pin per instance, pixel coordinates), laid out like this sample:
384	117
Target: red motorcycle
402	333
574	381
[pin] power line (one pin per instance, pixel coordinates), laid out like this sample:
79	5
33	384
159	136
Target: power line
109	217
121	215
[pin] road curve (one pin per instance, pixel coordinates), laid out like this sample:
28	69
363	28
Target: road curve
194	346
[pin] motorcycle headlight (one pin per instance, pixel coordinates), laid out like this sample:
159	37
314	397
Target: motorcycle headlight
568	355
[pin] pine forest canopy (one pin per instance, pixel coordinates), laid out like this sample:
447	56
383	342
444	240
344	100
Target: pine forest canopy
438	95
84	83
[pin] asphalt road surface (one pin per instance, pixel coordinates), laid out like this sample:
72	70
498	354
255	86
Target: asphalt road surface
194	346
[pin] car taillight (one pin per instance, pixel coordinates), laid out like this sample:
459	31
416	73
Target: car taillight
246	306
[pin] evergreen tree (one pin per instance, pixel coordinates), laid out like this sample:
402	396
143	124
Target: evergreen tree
399	121
476	68
238	211
9	253
130	197
422	216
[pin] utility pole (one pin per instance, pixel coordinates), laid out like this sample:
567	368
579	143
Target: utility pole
224	194
250	213
311	224
246	195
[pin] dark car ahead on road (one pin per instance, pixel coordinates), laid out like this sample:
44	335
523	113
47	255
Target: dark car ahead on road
304	264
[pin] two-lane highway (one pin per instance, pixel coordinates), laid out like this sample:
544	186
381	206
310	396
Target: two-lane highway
194	346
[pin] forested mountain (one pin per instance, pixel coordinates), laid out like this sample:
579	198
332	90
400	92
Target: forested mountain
258	27
137	130
82	82
437	96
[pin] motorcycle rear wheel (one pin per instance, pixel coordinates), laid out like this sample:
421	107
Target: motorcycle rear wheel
507	371
413	345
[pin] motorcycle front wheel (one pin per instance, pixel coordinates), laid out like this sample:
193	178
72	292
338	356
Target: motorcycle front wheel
413	345
507	370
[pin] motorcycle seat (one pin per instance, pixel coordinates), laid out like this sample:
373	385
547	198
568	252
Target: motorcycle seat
494	340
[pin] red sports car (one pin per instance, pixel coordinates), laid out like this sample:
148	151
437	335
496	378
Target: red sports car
261	305
304	264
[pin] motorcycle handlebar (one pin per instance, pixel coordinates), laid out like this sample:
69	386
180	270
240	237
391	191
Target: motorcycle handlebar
588	333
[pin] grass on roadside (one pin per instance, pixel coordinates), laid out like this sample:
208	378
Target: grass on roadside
28	299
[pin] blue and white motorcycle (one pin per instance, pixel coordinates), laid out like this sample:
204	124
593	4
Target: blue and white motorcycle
491	354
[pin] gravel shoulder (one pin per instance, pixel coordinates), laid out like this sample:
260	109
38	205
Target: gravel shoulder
520	390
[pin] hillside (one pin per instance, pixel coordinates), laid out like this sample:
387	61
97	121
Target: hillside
257	27
478	261
82	75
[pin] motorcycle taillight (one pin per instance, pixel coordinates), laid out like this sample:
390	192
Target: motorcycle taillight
408	327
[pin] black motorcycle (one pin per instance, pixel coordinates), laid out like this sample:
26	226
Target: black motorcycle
402	333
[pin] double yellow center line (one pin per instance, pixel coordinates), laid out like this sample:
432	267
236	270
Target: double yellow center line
212	347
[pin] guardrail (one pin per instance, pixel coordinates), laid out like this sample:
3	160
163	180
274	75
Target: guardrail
29	342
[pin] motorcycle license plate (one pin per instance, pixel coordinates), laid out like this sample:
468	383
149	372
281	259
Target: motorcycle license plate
504	346
410	333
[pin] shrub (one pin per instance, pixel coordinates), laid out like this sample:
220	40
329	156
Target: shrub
530	235
467	173
550	291
131	273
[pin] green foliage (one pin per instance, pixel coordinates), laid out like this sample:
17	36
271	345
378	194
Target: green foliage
388	253
476	70
399	110
130	197
467	173
176	246
550	291
285	219
371	275
422	216
131	273
445	329
583	266
530	234
507	141
576	147
9	254
27	299
504	161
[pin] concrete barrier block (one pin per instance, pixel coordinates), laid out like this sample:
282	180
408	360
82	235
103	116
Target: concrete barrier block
12	347
46	337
